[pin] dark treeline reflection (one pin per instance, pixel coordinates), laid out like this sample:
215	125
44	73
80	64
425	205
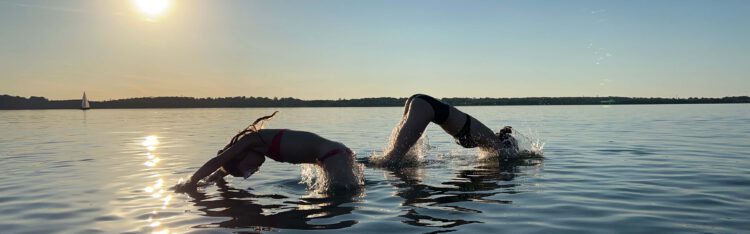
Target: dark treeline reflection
479	184
15	102
238	205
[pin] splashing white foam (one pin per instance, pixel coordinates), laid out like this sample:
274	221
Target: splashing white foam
419	150
415	156
530	145
335	174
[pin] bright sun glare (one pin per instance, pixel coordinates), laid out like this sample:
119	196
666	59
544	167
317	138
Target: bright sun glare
152	8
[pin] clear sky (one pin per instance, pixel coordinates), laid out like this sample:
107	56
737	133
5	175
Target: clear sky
351	49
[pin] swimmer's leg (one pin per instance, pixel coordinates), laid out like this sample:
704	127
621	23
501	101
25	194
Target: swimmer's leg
418	115
406	111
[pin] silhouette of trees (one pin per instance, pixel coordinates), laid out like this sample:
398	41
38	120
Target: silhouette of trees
8	102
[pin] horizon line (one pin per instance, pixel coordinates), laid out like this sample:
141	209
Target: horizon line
282	97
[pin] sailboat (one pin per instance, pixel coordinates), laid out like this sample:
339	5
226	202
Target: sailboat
85	102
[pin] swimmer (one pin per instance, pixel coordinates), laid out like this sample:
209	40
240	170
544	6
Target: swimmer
468	132
247	151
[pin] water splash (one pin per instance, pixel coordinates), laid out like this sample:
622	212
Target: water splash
333	176
530	146
418	152
415	156
314	176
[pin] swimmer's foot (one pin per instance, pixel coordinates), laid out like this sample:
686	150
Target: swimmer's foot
508	143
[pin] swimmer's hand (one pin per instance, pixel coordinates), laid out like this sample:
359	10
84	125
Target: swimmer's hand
185	186
249	172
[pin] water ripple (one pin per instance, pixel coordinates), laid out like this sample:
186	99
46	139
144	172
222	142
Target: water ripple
620	169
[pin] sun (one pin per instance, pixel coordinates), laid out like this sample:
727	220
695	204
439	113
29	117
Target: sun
152	9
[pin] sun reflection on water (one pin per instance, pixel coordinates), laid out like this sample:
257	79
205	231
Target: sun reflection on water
152	162
156	189
150	141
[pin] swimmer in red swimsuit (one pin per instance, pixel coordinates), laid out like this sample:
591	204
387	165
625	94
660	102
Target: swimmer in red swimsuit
245	153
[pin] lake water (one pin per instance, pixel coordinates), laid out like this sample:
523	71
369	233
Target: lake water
644	169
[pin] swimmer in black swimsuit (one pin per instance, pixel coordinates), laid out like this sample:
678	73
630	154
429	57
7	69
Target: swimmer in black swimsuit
421	109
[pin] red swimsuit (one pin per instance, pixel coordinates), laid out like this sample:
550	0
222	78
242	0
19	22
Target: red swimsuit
274	150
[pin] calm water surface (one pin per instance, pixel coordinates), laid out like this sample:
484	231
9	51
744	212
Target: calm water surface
657	168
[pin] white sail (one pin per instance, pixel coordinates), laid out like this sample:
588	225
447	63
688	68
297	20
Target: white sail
85	102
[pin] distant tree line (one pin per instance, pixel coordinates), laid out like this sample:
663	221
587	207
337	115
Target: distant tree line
8	102
590	101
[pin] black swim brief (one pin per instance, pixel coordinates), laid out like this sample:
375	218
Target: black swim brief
441	109
463	137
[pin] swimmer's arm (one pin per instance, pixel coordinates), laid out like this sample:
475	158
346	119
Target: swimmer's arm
214	163
485	137
192	183
217	175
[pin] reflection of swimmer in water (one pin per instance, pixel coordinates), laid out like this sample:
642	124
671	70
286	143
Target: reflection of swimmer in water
239	208
421	109
484	183
244	155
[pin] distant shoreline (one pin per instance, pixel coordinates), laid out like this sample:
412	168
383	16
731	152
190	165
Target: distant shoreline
8	102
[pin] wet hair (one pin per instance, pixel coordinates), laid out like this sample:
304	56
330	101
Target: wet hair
256	126
231	165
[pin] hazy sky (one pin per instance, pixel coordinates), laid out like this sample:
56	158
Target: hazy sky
351	49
